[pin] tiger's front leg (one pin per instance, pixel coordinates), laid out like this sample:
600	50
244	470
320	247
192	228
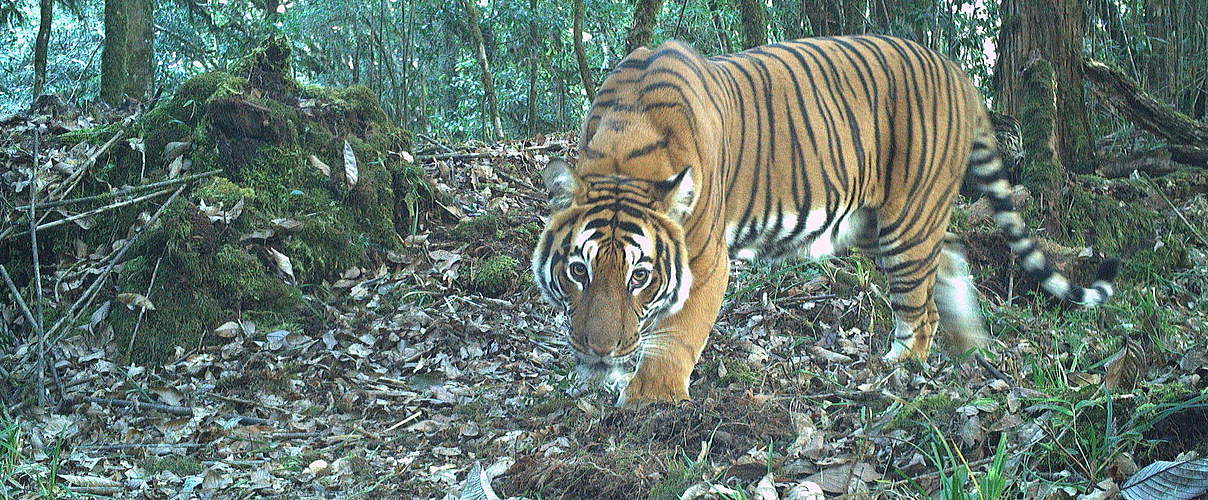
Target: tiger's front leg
664	371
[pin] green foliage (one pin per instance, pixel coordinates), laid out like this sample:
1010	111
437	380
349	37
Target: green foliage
495	275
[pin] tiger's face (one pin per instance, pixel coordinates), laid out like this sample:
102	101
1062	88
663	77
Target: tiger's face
614	259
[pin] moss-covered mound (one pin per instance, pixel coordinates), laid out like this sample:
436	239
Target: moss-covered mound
284	192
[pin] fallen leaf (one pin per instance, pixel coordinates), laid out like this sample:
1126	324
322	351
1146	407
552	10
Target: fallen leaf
135	300
282	261
318	164
351	173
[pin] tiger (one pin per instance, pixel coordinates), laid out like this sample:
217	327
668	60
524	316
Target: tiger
797	149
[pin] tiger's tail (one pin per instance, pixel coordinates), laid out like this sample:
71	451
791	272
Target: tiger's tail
985	168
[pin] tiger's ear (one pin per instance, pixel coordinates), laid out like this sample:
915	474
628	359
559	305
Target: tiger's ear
560	182
678	194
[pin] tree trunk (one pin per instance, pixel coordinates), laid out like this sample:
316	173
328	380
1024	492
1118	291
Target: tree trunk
534	47
46	15
754	23
645	15
1052	30
488	82
577	37
1041	170
127	56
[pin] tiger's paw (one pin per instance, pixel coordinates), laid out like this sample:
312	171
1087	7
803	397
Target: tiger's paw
642	390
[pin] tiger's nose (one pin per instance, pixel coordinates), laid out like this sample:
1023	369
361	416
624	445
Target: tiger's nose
601	348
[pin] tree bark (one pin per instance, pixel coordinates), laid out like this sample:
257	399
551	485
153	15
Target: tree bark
754	23
127	56
1141	108
534	47
46	15
577	34
645	15
1041	170
1052	30
488	82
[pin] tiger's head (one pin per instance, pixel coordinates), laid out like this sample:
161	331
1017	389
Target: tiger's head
613	257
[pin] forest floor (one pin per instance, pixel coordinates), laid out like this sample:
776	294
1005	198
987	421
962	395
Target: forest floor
426	366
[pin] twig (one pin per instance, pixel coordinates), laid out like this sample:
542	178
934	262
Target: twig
991	369
124	192
282	436
1177	212
130	446
12	289
40	367
74	179
143	310
182	411
106	208
457	156
86	298
434	142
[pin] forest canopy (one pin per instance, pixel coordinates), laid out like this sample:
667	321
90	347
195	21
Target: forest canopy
419	56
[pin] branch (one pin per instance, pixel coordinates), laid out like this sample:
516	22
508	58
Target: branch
183	411
1161	119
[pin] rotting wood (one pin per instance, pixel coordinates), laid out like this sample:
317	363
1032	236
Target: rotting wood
1153	162
1131	101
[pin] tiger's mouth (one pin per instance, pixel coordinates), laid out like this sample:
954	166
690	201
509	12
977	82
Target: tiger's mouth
613	372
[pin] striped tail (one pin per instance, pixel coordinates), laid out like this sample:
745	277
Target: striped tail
985	168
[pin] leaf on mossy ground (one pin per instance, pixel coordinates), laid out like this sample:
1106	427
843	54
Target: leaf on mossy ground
318	164
283	263
1169	480
351	174
135	301
174	150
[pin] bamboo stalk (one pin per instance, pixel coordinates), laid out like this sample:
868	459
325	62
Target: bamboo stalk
106	208
123	192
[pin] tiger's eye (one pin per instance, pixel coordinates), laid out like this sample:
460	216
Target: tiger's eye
639	276
578	270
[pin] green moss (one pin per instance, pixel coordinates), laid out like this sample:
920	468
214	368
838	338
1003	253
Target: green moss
201	88
494	275
739	371
243	281
1042	172
220	189
485	226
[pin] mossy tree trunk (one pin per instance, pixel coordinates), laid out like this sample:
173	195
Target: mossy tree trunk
645	15
754	23
46	13
488	82
1041	170
1052	30
535	48
577	35
127	56
1188	138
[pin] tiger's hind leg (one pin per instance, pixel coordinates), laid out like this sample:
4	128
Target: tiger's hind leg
910	282
910	265
956	299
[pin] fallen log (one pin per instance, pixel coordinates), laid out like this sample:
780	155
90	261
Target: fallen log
1188	137
1155	162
